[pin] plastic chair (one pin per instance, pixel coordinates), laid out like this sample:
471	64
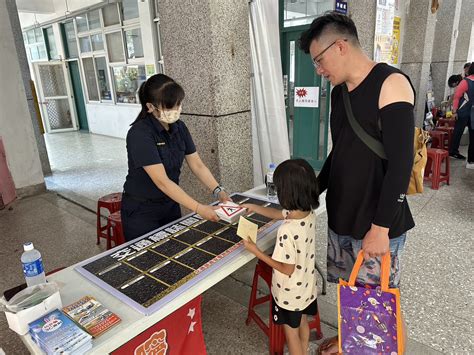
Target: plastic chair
445	122
433	171
449	131
439	139
273	331
114	230
112	203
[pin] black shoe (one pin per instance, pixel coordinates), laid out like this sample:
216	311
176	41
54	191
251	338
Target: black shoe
457	156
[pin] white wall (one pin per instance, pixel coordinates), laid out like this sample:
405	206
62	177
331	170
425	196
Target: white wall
16	127
111	120
470	52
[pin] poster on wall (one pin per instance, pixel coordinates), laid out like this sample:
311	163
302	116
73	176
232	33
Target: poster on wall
384	24
395	39
306	96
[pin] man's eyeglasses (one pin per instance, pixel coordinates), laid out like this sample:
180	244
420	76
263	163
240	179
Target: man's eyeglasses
316	62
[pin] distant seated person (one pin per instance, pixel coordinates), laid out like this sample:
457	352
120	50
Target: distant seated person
157	145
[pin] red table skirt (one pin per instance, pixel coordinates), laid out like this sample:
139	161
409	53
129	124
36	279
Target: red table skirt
179	333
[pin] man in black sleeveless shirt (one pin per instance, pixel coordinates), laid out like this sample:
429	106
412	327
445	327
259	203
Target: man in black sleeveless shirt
366	203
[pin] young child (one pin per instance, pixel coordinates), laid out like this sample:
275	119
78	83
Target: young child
293	261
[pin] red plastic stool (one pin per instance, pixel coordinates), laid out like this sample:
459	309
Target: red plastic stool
433	171
439	139
449	131
114	229
112	203
443	122
273	331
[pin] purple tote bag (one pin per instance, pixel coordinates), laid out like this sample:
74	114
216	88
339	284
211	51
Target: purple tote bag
369	317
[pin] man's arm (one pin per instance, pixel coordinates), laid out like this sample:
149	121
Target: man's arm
396	112
323	176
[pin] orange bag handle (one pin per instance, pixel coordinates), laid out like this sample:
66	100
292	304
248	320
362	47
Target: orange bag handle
384	270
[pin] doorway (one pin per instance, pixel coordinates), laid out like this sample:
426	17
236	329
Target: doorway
78	95
55	96
306	93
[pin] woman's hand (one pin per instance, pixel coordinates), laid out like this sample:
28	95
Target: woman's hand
224	196
249	206
251	246
207	212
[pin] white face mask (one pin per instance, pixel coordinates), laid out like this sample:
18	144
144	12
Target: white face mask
169	116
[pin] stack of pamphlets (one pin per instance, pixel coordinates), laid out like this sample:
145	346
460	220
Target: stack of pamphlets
55	333
91	315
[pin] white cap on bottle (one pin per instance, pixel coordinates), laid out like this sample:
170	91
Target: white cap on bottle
28	246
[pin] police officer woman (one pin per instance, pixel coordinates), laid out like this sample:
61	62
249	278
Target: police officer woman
157	144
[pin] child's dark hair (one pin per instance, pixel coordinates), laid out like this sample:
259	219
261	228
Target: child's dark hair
330	22
161	91
296	185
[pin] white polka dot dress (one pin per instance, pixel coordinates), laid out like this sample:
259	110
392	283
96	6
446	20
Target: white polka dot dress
295	244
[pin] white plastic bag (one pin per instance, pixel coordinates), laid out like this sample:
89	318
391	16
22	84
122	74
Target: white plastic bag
29	297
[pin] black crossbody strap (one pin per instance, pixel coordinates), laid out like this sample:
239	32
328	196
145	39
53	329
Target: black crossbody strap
374	144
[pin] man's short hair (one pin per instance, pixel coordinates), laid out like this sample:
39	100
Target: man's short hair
330	22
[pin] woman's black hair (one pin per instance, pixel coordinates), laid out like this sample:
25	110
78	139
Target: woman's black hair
161	91
454	80
296	185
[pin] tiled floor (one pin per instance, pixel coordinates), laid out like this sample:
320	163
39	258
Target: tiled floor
437	278
86	166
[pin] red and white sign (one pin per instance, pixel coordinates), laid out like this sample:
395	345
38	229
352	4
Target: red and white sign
179	333
307	96
230	211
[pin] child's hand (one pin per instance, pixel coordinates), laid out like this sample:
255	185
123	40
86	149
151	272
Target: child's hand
249	206
251	246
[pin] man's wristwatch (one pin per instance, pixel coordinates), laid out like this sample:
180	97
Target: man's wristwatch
216	191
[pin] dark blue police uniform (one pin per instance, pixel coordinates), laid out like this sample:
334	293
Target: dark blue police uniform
144	206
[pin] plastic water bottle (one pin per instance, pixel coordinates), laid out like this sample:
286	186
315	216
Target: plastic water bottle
271	190
32	265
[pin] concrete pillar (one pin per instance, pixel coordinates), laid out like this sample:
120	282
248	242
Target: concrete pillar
417	50
447	21
26	77
18	125
363	13
464	35
206	48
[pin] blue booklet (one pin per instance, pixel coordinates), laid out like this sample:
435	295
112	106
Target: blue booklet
56	333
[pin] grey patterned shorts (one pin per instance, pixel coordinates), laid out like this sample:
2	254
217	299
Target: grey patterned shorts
341	255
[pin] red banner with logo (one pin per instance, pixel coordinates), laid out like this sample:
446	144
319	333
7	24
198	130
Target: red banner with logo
179	333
